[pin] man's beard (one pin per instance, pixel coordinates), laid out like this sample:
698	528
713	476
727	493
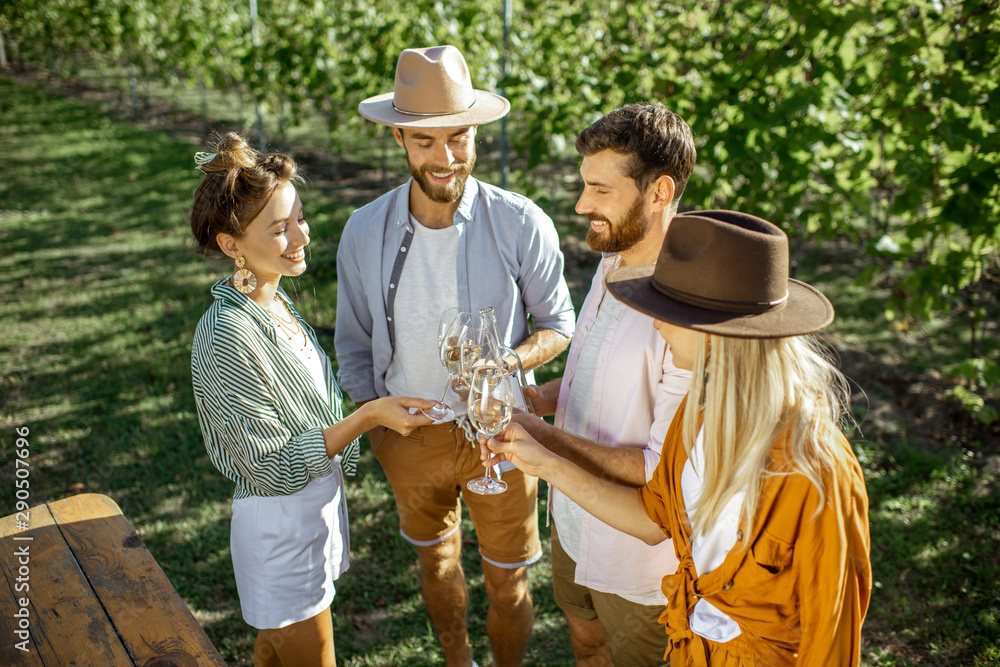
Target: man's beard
442	194
620	235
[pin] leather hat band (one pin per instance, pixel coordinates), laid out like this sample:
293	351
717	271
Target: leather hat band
748	307
439	113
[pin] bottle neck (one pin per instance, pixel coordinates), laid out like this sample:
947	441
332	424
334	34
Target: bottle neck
488	317
506	358
498	348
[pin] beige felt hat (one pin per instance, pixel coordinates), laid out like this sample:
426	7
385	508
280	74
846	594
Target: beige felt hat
433	89
725	273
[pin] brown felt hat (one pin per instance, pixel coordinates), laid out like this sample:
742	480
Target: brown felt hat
433	89
724	273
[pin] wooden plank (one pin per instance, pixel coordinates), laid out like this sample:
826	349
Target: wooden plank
14	649
152	620
68	624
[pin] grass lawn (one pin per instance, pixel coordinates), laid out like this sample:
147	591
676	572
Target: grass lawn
102	292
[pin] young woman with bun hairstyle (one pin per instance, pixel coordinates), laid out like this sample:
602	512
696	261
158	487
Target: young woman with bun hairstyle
757	486
270	410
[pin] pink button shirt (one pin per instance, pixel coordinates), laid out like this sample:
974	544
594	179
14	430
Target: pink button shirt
636	392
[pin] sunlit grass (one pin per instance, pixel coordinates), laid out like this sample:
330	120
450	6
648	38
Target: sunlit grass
103	290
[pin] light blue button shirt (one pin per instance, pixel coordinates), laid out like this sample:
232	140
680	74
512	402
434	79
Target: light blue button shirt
508	258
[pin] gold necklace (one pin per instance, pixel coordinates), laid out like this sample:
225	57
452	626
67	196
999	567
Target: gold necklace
292	334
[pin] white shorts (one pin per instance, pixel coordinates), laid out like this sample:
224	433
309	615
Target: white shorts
288	550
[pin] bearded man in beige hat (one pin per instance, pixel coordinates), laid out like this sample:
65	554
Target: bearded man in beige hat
446	240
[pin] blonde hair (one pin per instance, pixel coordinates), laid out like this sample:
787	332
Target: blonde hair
749	391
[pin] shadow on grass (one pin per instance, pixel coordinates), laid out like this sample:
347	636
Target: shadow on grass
935	525
95	358
102	303
102	300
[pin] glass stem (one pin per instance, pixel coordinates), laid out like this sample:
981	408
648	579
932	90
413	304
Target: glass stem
444	393
488	459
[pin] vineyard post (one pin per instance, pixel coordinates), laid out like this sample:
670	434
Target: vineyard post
134	95
261	144
503	77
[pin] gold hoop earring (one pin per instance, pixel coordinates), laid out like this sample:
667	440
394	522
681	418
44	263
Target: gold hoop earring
243	279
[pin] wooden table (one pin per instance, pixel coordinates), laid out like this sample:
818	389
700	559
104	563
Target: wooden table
94	595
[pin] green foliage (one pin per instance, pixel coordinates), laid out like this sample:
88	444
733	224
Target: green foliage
104	289
979	380
104	296
853	119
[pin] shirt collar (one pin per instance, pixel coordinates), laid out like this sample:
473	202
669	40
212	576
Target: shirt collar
465	206
468	199
230	296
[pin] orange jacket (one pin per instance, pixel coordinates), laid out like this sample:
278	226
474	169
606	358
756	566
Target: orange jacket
798	587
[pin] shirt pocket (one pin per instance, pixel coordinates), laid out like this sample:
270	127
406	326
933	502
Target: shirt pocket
771	557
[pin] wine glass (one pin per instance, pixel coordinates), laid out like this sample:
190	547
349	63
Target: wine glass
491	404
452	328
472	344
447	317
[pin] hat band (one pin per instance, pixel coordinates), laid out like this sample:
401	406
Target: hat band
438	113
718	304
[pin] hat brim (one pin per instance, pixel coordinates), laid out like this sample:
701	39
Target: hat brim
805	311
488	108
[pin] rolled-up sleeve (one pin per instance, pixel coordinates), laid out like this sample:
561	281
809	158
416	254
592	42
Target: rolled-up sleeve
273	460
243	430
659	497
544	291
653	497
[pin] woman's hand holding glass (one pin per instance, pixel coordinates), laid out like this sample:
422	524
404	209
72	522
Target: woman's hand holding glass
491	405
516	445
399	413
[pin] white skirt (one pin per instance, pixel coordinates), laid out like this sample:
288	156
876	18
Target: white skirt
288	550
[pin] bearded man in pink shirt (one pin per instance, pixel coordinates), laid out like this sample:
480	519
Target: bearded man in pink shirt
620	389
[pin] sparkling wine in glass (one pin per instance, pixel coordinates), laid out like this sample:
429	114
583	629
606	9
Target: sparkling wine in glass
452	327
447	317
491	405
470	357
459	356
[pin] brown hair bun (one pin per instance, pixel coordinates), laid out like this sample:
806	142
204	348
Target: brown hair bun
237	185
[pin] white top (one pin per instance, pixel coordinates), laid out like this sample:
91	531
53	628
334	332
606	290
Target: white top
310	359
427	287
709	550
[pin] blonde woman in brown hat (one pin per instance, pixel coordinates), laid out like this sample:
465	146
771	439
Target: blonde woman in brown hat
269	408
757	487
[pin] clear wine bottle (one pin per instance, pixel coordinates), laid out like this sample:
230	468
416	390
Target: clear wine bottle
503	356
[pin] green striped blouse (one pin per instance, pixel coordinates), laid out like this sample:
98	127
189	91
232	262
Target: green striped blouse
260	412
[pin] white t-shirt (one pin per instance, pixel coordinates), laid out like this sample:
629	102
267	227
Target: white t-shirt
709	550
428	285
308	356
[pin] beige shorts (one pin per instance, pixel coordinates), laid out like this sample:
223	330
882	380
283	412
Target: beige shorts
632	631
428	471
